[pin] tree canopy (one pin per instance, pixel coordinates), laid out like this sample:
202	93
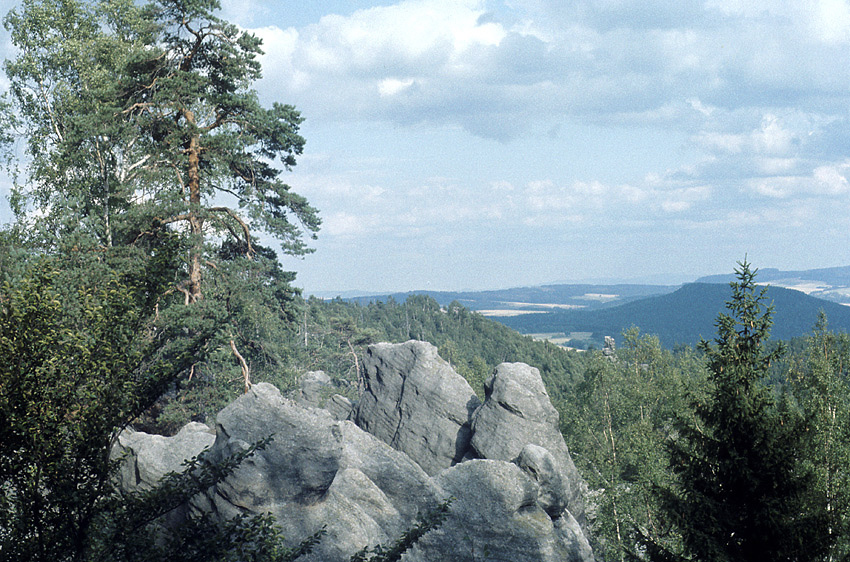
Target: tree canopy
143	116
743	491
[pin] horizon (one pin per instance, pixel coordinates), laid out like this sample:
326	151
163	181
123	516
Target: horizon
494	144
659	281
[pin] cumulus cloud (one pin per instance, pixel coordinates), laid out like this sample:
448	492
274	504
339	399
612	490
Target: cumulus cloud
494	69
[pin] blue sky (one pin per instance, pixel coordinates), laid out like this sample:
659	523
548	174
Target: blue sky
479	144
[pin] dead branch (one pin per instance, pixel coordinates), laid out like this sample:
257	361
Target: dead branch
243	364
244	226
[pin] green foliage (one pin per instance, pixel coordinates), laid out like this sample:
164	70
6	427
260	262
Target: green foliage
742	491
80	360
617	421
137	116
333	334
84	351
142	132
820	383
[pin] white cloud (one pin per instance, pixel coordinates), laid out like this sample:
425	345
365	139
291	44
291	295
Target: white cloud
393	86
831	20
343	224
495	71
833	178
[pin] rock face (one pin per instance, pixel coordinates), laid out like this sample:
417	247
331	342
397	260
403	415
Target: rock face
415	402
420	427
147	458
517	413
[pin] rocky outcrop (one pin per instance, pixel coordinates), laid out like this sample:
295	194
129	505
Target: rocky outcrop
366	487
415	402
516	413
147	458
316	472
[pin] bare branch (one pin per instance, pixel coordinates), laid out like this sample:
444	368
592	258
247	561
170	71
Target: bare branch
243	364
244	226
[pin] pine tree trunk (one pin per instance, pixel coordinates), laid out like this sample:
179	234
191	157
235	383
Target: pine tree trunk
196	221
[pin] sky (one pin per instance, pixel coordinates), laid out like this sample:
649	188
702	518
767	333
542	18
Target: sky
481	144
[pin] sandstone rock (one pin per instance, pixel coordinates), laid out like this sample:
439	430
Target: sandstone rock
540	466
414	401
340	407
299	465
400	479
147	458
495	515
517	412
317	472
609	350
313	384
322	472
150	457
569	533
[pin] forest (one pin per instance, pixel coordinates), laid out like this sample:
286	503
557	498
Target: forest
134	293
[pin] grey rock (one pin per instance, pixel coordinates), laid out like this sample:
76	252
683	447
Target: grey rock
400	479
569	533
147	458
540	466
517	412
340	407
609	350
414	401
316	472
495	515
300	463
313	385
319	471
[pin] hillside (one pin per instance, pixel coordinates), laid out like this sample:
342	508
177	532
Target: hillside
684	315
831	283
544	298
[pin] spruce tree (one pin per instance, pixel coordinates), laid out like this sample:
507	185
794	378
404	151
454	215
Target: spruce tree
743	492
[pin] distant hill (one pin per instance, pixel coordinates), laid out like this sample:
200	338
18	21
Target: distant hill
831	283
829	275
684	315
579	315
545	298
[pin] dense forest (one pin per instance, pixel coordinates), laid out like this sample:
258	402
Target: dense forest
133	292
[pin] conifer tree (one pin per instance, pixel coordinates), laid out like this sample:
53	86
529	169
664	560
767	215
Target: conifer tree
743	492
140	125
137	117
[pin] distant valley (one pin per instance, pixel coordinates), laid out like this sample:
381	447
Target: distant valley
581	315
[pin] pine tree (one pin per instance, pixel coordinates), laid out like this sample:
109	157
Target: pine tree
743	492
141	127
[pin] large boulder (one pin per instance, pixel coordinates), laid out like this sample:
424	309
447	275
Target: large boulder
540	465
317	472
414	401
517	412
313	388
494	516
147	458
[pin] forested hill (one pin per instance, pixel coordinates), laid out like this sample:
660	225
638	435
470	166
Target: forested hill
544	297
330	330
838	276
685	315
